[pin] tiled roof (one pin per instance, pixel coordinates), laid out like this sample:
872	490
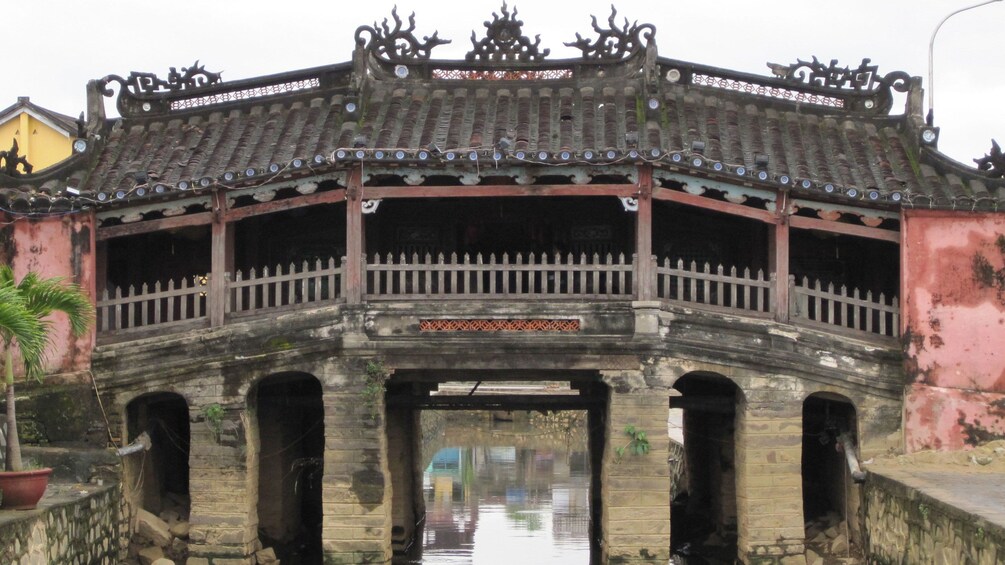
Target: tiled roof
641	108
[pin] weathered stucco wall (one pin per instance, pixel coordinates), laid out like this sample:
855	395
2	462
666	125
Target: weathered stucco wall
56	247
954	307
88	529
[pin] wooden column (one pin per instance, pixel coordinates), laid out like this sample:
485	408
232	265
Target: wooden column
778	257
645	275
353	275
222	261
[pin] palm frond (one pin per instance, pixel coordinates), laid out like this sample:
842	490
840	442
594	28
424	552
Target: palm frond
24	310
19	326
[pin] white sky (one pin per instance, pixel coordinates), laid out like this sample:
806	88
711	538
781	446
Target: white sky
55	46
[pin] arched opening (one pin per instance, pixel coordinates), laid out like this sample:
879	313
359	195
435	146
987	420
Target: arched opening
290	426
830	494
509	460
704	516
157	479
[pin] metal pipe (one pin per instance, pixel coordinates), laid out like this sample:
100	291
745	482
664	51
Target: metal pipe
848	446
141	443
931	50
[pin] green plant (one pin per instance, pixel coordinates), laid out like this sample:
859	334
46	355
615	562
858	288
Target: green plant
25	326
637	443
373	385
214	418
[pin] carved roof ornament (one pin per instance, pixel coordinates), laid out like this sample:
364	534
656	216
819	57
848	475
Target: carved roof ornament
195	76
397	45
816	73
863	79
11	160
614	43
993	163
504	41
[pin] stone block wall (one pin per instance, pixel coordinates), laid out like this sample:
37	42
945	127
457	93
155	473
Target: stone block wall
769	497
356	486
92	529
636	488
906	527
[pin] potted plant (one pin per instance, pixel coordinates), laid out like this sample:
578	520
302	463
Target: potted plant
25	334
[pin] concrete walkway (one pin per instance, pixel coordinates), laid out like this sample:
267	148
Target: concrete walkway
981	493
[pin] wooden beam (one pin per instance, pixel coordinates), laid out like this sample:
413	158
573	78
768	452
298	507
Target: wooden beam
714	205
778	258
222	261
503	190
327	197
200	219
496	402
352	282
645	275
805	223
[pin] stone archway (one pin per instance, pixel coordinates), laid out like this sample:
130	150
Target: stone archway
160	476
289	433
705	508
830	494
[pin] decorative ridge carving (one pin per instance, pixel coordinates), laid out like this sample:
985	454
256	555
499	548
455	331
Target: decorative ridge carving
397	45
504	41
11	160
613	43
195	76
993	164
864	79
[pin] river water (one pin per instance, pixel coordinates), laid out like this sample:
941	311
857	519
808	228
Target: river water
504	492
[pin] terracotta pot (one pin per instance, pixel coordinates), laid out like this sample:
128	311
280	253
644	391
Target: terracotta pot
22	490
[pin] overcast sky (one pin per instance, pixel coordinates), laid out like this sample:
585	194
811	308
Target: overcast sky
55	46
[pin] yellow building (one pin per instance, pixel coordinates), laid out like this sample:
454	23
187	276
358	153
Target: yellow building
44	137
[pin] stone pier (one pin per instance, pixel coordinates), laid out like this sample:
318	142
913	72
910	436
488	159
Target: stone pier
636	488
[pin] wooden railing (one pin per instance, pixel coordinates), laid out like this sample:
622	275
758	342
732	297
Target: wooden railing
265	290
748	293
523	276
161	305
829	307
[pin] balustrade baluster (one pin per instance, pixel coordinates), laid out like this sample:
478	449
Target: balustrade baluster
623	286
104	312
870	313
440	276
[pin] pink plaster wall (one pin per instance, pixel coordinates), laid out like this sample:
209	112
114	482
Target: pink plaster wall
955	326
58	247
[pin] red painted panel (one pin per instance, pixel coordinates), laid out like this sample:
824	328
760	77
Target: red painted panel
59	247
954	307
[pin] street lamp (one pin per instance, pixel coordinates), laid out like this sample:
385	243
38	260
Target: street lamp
931	49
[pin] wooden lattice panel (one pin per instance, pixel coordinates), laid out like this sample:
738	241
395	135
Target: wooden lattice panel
470	325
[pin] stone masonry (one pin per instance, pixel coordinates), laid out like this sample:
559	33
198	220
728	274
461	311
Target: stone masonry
636	488
67	528
769	481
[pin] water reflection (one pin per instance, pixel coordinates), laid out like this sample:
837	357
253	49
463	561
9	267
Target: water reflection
506	492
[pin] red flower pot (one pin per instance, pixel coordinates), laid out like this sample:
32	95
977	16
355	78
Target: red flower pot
22	490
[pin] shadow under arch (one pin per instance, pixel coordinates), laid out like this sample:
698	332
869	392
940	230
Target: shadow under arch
831	499
158	479
704	511
287	438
